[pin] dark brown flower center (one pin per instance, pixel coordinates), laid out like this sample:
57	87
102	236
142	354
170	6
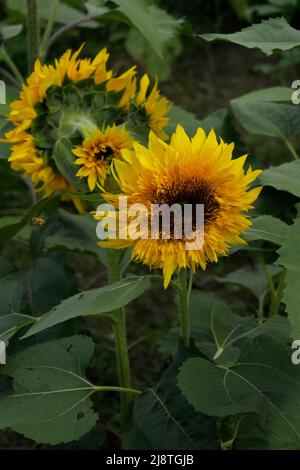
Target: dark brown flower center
192	193
104	153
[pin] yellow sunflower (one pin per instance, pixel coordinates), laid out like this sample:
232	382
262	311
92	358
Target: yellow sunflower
44	76
97	151
26	156
155	106
195	171
151	107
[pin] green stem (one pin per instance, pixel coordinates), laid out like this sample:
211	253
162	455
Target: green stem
32	33
183	301
49	28
279	293
270	285
119	326
10	63
291	149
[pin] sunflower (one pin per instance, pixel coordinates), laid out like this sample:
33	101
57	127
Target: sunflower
154	106
97	151
195	171
148	108
33	138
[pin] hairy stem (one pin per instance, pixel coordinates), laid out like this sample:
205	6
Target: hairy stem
119	327
32	33
183	304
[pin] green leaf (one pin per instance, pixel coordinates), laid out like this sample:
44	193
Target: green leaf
51	402
254	280
191	123
92	302
162	419
64	160
268	228
264	381
12	323
6	266
272	94
155	24
290	259
270	119
12	289
11	294
75	233
65	13
268	36
12	31
42	206
285	177
220	334
49	281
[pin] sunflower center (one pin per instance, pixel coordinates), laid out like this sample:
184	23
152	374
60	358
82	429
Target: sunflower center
192	193
104	153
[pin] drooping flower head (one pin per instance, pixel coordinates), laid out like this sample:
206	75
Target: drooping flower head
97	151
187	171
59	107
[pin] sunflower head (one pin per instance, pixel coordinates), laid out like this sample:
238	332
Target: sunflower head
153	106
97	152
193	171
60	105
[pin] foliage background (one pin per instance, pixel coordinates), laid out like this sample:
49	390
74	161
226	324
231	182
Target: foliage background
201	77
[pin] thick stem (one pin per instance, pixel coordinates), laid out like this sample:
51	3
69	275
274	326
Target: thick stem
119	327
32	33
49	27
183	304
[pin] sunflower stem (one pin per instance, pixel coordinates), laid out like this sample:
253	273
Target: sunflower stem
119	327
183	303
32	33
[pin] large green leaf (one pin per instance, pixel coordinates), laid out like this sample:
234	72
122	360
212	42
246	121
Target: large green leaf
220	334
285	177
51	401
49	281
264	381
270	119
163	420
155	24
43	206
11	293
64	160
12	323
11	31
93	302
12	289
272	94
290	259
268	228
268	36
191	123
255	280
65	13
75	233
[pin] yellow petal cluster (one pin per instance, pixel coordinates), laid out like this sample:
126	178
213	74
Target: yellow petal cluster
200	169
